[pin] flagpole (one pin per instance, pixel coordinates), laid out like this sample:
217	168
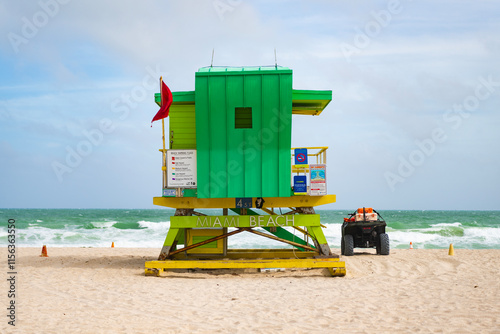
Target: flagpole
163	138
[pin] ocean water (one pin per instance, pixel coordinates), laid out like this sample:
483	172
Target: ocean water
148	228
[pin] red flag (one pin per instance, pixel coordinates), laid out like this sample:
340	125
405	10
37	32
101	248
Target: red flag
166	102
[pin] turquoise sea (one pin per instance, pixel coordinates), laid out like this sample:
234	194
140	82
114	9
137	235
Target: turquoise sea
148	228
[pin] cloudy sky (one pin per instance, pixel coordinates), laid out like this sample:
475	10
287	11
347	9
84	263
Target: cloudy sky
413	124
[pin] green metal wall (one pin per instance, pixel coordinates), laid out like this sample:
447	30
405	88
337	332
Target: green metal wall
243	162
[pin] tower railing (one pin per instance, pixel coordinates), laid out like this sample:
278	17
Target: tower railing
317	152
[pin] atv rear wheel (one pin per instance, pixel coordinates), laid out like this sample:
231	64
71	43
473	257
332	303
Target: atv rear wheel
348	245
384	244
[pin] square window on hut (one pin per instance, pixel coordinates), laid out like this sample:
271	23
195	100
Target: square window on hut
243	118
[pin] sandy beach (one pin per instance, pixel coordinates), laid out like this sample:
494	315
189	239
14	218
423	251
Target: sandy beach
104	290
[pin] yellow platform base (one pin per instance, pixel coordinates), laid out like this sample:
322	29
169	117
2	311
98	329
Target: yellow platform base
334	265
215	203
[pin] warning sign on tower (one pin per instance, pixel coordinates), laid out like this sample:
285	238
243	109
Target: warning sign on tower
181	168
318	180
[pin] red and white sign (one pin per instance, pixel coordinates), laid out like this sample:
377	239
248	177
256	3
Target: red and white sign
318	180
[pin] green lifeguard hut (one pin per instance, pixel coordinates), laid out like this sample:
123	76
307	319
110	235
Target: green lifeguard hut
229	148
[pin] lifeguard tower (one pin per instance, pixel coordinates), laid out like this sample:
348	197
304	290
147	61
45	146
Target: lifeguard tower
229	148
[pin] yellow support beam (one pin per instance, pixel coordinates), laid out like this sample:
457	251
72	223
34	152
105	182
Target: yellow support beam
337	267
215	203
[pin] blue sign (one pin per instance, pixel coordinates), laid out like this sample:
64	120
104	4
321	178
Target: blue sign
300	184
301	156
168	192
243	202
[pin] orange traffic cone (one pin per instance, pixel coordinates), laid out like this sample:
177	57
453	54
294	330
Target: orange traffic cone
112	245
44	251
451	251
411	245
